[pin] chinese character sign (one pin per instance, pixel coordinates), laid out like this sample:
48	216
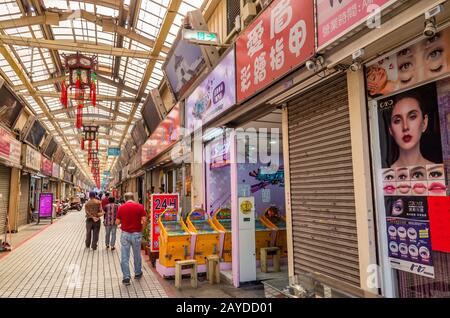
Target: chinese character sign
159	203
337	17
280	39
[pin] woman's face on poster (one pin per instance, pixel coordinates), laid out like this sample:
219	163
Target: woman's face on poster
407	123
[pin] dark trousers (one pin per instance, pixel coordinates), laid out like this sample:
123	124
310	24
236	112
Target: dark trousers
92	231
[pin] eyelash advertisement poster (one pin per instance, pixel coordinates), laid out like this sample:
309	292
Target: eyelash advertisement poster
416	63
414	134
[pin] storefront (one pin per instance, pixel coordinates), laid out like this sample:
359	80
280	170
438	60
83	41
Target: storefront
31	162
10	150
408	92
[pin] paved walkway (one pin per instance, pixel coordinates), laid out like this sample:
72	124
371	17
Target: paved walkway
55	263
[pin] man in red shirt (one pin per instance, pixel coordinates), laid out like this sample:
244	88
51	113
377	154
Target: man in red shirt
105	200
131	216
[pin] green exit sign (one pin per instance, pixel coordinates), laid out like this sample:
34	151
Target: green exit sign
200	37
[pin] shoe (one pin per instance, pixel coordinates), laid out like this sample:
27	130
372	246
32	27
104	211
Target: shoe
113	248
138	276
94	248
126	282
107	246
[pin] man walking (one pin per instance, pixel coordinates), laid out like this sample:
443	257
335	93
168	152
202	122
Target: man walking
93	213
110	223
105	200
131	216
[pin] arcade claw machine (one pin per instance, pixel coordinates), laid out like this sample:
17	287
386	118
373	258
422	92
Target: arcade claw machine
207	235
222	221
174	239
277	222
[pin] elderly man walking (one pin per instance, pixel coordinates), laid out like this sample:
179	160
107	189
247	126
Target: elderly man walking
131	216
93	213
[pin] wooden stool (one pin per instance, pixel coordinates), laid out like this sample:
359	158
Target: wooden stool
276	252
213	269
179	272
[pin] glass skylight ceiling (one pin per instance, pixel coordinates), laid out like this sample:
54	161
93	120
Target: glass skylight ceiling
38	63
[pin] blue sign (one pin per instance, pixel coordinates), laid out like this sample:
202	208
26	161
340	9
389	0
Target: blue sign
114	152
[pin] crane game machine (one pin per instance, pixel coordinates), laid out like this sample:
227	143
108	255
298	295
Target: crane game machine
222	221
207	235
170	238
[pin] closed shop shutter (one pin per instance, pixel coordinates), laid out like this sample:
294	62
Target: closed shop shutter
5	177
24	199
322	190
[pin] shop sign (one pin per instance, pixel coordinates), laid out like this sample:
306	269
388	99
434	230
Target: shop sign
335	18
213	96
278	41
32	158
10	148
113	152
411	65
167	134
61	173
183	66
159	202
56	169
45	205
67	177
46	166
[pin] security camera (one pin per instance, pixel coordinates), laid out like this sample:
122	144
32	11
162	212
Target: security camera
430	28
356	66
311	65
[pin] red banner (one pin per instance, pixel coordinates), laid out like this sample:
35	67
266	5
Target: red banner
159	202
280	39
46	166
439	214
167	133
337	17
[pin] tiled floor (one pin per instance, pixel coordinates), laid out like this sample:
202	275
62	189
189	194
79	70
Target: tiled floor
56	263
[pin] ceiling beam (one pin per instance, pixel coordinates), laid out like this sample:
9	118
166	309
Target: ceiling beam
108	24
49	18
71	46
48	81
118	85
93	121
21	74
72	96
113	4
73	108
166	24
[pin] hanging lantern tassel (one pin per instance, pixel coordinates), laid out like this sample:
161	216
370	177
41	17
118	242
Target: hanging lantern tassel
64	93
82	143
79	117
94	95
96	144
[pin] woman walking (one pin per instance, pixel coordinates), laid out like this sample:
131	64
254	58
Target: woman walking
110	223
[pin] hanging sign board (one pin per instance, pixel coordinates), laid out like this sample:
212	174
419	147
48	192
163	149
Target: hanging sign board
113	152
200	37
159	202
10	148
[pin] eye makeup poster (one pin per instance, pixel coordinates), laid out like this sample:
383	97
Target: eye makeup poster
414	150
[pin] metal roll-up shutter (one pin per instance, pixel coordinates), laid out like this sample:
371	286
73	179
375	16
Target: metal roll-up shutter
5	177
24	200
322	190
